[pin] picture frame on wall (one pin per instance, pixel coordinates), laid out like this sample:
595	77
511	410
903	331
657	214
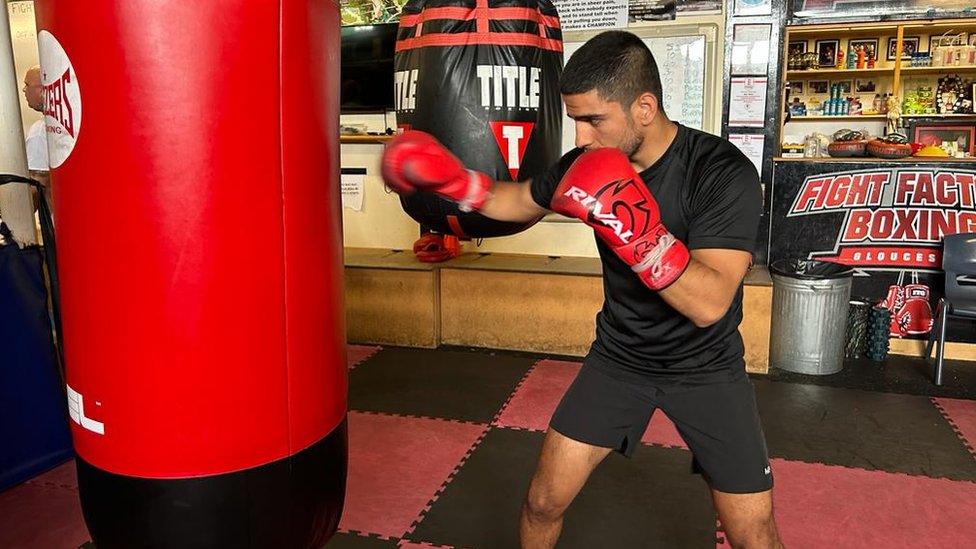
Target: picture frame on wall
951	39
796	87
819	86
870	45
750	49
862	85
752	7
827	52
846	86
909	47
934	133
797	47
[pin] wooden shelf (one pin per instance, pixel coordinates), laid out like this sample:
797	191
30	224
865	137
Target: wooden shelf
874	117
938	116
364	138
939	26
938	70
835	72
817	31
845	117
909	159
891	74
919	26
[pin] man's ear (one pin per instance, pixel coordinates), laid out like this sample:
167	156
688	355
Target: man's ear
647	107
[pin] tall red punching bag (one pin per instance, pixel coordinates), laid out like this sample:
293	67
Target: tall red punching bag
194	159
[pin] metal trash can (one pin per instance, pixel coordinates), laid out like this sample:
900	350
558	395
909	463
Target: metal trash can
809	315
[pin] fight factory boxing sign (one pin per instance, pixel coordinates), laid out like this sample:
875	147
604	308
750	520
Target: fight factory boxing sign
873	218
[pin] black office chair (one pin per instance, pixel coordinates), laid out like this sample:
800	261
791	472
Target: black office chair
959	264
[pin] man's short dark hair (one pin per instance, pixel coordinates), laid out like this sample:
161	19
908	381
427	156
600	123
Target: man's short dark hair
617	64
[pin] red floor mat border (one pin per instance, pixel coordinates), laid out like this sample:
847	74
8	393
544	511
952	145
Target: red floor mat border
423	545
955	428
415	416
48	484
369	535
508	401
875	470
361	352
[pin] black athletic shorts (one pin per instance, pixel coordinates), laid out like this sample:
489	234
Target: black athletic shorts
718	421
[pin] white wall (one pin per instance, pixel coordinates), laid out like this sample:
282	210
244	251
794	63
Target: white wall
383	224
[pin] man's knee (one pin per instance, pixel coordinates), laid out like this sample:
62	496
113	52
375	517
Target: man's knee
542	505
756	531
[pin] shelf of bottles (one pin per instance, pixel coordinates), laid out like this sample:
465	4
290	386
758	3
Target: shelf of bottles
851	71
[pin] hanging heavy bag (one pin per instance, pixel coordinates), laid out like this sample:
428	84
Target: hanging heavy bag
201	267
484	80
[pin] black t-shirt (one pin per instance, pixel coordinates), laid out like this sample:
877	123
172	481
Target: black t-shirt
709	196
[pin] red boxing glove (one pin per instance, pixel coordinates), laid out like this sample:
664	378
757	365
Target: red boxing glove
895	302
602	189
915	318
415	161
434	248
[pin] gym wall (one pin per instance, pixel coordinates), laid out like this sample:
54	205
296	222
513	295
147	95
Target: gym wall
383	224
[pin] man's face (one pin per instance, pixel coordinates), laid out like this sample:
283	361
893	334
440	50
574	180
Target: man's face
33	91
601	123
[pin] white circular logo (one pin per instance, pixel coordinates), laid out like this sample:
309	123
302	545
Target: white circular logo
62	98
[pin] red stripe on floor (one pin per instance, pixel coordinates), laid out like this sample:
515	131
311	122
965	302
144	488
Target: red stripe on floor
827	506
536	398
539	394
411	545
396	466
355	354
63	476
962	415
39	515
663	432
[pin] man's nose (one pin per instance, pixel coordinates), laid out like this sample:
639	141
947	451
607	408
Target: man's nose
583	136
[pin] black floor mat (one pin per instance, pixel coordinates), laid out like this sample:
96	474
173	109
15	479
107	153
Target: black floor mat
879	431
896	374
459	385
651	500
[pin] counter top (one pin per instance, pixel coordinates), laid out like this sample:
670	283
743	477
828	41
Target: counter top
525	263
380	139
871	159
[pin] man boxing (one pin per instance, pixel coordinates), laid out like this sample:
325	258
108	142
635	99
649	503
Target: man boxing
675	241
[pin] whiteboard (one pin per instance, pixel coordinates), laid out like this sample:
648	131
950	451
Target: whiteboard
681	62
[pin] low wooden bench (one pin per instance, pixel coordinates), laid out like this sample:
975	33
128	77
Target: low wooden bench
501	301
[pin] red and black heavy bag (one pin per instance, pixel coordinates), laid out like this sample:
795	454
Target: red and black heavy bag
483	77
194	154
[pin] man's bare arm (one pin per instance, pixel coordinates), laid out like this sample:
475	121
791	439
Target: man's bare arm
509	201
705	290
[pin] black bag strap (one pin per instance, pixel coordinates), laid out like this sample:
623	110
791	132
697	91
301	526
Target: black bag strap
5	232
50	255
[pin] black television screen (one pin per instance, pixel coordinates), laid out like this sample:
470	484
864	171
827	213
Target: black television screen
367	68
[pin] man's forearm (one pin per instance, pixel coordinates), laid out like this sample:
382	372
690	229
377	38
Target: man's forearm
702	293
512	201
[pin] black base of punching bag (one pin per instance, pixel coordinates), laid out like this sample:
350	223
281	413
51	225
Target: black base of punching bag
292	502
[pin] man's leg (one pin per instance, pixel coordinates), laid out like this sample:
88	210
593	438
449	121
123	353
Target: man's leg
564	466
720	422
747	519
